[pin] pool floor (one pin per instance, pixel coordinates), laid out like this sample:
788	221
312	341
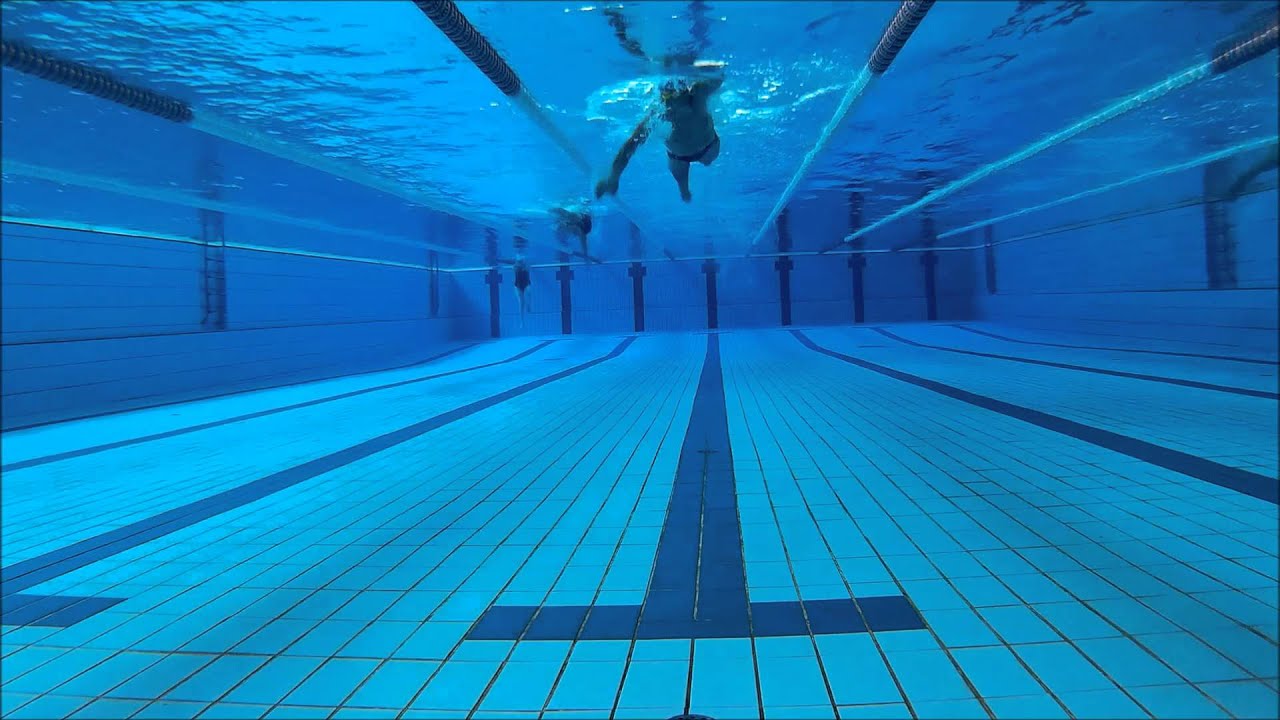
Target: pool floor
944	521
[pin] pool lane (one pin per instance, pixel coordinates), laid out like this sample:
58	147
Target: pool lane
15	445
37	609
1256	376
1244	481
698	588
1224	428
52	505
1053	576
434	526
1197	384
1112	348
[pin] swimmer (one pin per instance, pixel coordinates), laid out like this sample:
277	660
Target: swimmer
573	222
683	105
693	137
520	268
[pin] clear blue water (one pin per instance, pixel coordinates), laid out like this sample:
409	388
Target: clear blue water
361	489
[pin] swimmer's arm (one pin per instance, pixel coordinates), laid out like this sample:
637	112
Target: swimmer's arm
609	185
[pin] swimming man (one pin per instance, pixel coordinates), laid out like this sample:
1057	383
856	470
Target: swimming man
683	105
693	137
520	268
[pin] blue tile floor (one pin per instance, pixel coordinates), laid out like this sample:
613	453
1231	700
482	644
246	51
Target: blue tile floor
910	521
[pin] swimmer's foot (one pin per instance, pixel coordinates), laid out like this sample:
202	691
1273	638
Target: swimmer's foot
686	196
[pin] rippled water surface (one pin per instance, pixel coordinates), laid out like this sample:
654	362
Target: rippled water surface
377	84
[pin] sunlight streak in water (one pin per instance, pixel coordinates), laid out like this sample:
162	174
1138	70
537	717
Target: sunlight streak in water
851	97
1138	99
1167	170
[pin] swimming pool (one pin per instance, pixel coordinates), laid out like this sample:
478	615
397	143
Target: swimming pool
951	393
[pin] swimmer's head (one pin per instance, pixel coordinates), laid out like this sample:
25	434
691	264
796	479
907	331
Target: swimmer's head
674	88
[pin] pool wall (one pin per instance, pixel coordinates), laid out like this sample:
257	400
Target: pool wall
1144	276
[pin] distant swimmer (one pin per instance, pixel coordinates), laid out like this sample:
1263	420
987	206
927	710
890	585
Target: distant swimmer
684	105
520	268
522	284
573	222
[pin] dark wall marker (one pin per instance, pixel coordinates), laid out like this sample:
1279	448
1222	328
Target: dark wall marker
433	262
1219	240
856	265
857	262
493	279
637	272
710	268
930	263
989	254
213	276
929	260
784	265
564	275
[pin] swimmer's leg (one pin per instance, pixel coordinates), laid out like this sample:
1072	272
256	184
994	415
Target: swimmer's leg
680	171
523	304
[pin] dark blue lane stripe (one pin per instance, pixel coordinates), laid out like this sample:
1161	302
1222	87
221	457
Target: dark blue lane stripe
52	610
699	581
29	573
1258	486
698	587
1254	361
81	452
1084	368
